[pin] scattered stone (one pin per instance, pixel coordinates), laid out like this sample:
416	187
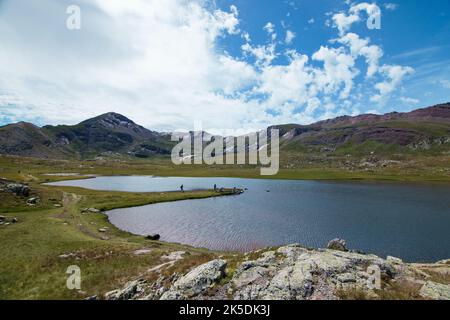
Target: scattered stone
103	230
338	245
91	298
33	201
93	210
435	291
142	251
153	237
14	220
131	289
67	255
2	218
57	205
174	256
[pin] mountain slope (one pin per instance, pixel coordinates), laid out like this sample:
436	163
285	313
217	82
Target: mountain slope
419	129
110	132
425	130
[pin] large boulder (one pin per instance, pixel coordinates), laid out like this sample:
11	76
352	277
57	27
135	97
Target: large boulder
21	190
196	281
130	291
153	237
435	291
338	245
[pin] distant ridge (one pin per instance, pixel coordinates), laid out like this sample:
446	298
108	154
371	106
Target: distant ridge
113	134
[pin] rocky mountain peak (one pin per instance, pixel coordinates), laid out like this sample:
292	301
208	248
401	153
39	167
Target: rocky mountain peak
110	120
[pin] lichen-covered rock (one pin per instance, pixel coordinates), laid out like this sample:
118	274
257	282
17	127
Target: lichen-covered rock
435	291
19	189
130	291
337	244
296	273
197	280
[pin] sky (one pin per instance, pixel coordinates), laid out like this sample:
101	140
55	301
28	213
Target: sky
231	66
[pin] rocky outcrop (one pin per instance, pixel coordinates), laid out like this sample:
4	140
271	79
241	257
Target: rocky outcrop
197	281
297	273
337	244
435	291
131	289
19	189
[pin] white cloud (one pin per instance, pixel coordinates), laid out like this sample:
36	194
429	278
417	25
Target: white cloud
361	47
311	21
290	36
391	6
159	62
394	76
264	54
338	71
343	22
445	83
408	100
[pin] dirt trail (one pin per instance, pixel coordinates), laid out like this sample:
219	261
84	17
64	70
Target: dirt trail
69	201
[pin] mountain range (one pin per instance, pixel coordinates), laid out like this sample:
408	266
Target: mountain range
112	133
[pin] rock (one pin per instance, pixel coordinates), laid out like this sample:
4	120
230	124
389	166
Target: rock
2	218
14	220
142	251
153	237
103	229
394	260
67	255
435	291
57	205
19	189
174	256
130	291
447	261
91	298
338	245
346	278
33	201
197	281
93	210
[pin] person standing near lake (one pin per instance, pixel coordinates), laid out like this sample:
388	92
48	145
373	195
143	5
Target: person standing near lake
182	188
215	188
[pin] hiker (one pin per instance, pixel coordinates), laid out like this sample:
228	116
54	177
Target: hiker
215	188
182	188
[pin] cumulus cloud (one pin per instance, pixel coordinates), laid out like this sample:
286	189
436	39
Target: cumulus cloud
361	47
394	76
161	64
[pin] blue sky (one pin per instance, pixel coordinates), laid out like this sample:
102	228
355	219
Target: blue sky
234	66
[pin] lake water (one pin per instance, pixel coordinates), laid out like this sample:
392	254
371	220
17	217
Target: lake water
410	221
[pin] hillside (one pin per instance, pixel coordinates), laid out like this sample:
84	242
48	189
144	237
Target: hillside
424	131
106	134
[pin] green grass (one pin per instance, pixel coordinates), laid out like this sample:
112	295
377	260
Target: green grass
30	266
